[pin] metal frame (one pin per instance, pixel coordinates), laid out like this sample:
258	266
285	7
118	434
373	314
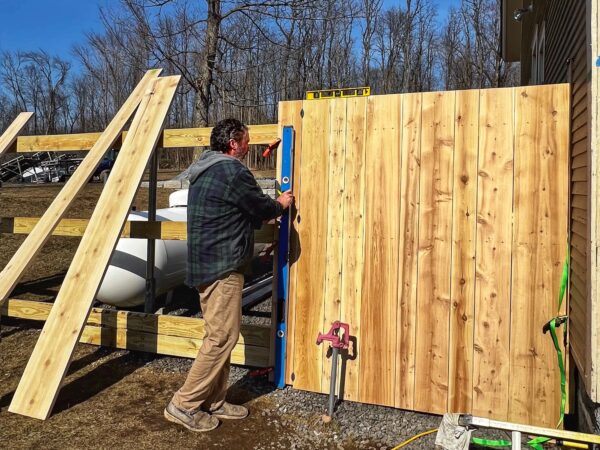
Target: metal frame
287	161
516	430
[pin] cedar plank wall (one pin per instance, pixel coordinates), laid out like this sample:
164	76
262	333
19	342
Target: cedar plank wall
566	61
403	229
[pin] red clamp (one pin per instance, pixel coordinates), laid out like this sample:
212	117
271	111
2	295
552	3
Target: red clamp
334	337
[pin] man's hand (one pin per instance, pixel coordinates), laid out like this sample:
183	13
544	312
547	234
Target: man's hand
286	199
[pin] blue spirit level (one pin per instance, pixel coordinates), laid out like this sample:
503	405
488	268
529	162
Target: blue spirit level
287	160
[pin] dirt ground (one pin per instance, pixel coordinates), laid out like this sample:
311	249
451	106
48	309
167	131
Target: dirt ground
113	399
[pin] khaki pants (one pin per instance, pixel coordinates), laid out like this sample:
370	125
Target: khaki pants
206	383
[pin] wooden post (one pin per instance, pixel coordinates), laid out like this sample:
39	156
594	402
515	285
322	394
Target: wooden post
149	305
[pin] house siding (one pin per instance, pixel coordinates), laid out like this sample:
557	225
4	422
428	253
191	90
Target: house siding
566	60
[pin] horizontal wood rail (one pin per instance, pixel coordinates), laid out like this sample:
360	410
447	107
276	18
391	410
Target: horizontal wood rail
135	229
175	138
167	335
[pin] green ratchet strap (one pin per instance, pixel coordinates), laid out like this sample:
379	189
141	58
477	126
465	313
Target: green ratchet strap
563	281
536	443
561	365
491	443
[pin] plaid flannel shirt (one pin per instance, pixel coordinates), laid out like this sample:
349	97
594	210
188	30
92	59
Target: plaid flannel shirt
225	205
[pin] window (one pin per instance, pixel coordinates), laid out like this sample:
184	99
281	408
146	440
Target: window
541	53
538	50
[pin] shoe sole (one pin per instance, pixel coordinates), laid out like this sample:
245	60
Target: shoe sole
172	418
225	417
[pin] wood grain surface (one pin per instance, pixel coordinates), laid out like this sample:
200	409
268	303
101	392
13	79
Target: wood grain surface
450	252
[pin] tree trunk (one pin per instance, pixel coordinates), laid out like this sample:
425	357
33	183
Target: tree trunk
204	82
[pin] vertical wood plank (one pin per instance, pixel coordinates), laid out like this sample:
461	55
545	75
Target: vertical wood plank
408	242
462	305
493	264
434	254
335	228
312	234
539	242
380	284
290	114
353	237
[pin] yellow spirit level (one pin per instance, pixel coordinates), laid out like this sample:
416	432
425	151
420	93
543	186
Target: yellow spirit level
338	93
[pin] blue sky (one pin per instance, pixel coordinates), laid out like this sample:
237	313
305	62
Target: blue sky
56	25
51	25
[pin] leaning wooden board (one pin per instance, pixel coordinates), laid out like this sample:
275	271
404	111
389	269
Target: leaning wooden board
13	271
13	130
38	388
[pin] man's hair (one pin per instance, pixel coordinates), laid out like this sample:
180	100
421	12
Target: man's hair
224	131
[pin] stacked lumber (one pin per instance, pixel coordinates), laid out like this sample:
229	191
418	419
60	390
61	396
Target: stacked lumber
163	334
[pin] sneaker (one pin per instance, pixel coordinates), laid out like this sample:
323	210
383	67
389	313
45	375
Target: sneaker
195	421
230	411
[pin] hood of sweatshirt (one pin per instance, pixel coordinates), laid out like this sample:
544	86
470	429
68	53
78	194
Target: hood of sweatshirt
207	159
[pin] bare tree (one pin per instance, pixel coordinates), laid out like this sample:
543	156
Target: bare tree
470	47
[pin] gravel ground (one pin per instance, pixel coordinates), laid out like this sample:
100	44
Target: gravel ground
280	419
300	412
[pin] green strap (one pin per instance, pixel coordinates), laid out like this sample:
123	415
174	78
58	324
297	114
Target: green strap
533	443
490	443
563	377
563	281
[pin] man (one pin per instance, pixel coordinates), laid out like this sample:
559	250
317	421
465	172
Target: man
225	205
